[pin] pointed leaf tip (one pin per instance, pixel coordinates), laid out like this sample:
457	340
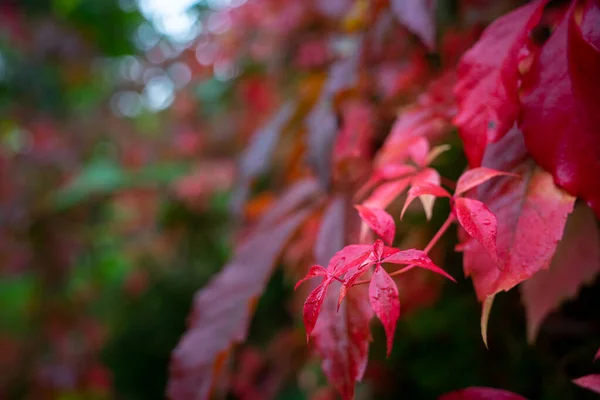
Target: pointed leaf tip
476	176
383	296
485	316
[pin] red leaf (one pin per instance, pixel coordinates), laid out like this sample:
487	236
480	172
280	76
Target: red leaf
394	171
419	17
560	118
383	295
481	393
486	91
531	214
575	263
386	193
475	177
427	176
349	257
217	322
423	189
313	272
418	258
591	382
342	339
479	222
597	357
312	306
379	221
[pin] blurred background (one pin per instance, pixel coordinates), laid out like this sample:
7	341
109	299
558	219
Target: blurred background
120	125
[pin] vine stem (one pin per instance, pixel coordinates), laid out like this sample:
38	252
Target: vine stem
427	249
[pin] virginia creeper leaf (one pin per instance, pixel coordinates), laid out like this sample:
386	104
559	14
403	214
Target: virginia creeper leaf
383	295
575	263
531	214
386	193
479	222
481	393
379	221
486	91
217	322
560	118
475	177
428	176
590	382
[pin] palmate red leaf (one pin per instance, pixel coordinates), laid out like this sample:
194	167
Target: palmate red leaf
590	382
383	295
379	221
575	263
475	177
341	338
560	118
418	16
481	393
479	222
531	214
486	91
217	322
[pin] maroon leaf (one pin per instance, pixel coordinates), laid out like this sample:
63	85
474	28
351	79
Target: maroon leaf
217	322
419	17
486	91
531	214
479	222
575	263
379	221
481	393
256	158
475	177
383	295
560	118
591	382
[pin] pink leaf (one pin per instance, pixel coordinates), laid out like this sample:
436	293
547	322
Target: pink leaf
352	256
575	263
591	382
419	17
531	214
386	193
418	258
314	271
379	221
423	189
597	357
486	91
475	177
481	393
383	294
479	222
